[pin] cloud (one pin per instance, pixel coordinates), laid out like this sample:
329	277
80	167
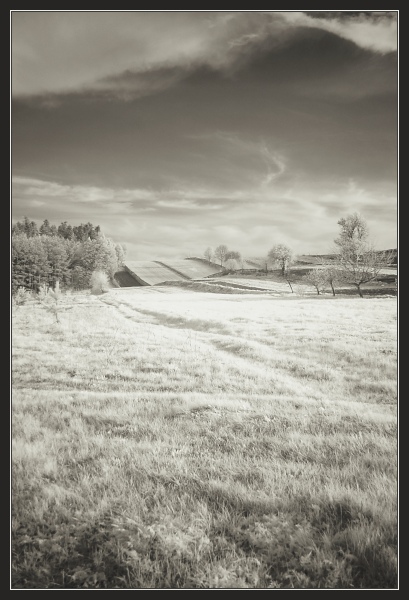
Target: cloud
263	165
178	223
375	31
131	53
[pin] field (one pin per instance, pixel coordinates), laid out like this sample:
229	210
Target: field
157	272
169	437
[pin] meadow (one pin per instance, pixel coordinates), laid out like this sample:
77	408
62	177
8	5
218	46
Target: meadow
168	437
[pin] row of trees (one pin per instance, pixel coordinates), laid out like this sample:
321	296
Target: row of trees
355	262
42	257
80	233
229	259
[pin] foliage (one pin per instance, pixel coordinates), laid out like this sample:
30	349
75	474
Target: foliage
120	254
231	264
353	235
29	228
99	282
86	232
67	254
65	231
283	255
233	255
47	229
30	265
58	256
21	296
99	254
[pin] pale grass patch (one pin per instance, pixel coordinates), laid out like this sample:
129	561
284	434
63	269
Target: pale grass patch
181	439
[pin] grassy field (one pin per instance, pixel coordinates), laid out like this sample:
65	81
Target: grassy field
174	438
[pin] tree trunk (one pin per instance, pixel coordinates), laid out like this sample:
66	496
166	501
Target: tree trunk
291	287
359	290
332	287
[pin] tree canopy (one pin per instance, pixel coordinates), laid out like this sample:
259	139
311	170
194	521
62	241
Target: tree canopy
65	254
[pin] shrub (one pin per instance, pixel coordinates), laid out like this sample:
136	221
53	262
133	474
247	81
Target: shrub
21	296
99	282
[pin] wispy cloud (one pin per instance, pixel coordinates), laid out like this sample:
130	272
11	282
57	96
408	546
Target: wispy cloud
274	162
264	165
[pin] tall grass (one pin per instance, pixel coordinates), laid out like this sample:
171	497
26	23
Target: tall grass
178	439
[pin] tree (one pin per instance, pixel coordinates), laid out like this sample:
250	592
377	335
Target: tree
208	254
232	254
358	261
99	254
241	261
220	253
45	228
58	256
84	232
120	254
332	276
317	278
353	234
365	269
30	267
28	227
283	255
65	231
231	264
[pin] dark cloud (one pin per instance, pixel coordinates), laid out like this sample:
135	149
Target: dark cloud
258	138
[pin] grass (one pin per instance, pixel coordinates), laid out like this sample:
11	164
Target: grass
170	438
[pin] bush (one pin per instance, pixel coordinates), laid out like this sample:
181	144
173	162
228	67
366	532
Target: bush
21	296
99	282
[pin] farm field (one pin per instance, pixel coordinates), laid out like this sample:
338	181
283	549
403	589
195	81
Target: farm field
193	268
168	437
152	273
157	272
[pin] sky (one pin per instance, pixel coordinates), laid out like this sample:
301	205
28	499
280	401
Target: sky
176	131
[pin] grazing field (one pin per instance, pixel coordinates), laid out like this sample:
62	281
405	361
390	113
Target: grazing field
167	437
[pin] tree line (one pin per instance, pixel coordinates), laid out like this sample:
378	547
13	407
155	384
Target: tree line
355	260
42	256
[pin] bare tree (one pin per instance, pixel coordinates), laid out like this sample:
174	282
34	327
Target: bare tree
358	261
208	254
288	277
283	255
332	275
317	278
366	268
220	253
